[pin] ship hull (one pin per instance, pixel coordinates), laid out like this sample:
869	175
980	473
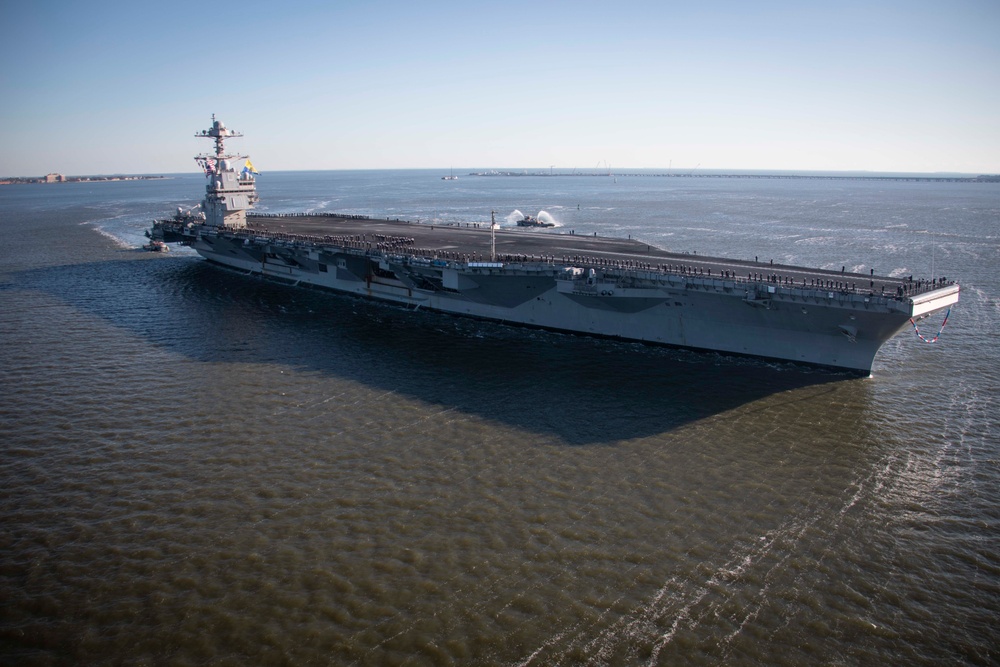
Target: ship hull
841	331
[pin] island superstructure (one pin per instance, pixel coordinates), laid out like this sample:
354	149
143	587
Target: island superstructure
229	193
597	286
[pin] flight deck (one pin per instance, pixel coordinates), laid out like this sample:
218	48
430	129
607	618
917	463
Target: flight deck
472	242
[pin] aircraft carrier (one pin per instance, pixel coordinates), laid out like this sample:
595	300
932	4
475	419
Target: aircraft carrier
620	288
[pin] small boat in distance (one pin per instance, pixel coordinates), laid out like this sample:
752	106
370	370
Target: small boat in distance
450	177
528	221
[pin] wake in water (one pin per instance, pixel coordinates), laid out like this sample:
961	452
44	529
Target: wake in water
128	232
101	228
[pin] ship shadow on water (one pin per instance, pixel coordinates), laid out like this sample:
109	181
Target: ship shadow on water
578	389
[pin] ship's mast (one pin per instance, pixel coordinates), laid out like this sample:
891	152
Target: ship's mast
220	133
493	236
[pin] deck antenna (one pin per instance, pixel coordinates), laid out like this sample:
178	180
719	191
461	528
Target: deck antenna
493	236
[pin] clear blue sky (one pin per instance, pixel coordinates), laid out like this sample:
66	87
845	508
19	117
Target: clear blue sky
121	87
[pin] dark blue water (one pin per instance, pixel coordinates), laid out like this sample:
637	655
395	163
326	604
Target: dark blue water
201	467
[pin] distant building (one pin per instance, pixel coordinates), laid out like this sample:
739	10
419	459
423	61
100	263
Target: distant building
55	178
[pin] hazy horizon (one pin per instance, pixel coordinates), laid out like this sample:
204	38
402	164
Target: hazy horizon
477	172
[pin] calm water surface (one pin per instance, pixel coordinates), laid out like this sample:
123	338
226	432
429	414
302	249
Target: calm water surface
198	467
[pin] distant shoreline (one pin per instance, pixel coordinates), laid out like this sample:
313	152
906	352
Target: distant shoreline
625	173
844	177
75	179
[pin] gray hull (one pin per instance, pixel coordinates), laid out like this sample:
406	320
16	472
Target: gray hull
838	329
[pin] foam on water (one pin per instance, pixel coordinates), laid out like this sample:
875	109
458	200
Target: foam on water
115	238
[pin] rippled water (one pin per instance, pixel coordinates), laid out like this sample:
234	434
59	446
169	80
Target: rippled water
203	468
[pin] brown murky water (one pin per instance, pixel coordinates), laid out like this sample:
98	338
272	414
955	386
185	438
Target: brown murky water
197	467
